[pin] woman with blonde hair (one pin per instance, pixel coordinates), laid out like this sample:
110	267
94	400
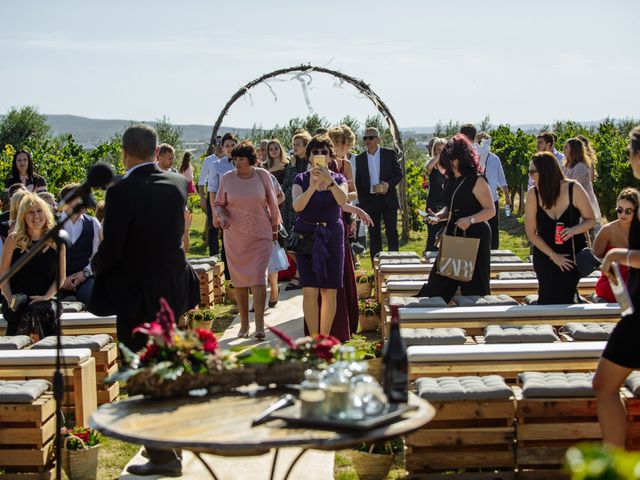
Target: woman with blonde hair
29	304
577	166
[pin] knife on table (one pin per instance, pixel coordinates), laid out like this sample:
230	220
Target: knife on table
284	401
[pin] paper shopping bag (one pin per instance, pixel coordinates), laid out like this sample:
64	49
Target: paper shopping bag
457	258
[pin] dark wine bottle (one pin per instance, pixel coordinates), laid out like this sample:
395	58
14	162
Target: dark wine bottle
395	365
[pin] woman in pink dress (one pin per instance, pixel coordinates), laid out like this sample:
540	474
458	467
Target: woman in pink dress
186	169
248	211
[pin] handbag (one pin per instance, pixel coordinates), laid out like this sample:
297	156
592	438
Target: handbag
457	256
301	243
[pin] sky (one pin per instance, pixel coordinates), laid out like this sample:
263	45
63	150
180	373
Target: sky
518	61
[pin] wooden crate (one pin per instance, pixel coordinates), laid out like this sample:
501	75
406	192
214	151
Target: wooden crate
218	269
546	427
106	365
27	432
469	435
632	404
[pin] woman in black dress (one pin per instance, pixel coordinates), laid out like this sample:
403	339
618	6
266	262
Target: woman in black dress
558	213
29	304
22	172
621	355
468	199
436	192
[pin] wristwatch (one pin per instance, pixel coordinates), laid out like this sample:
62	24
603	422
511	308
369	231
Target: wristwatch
472	220
86	271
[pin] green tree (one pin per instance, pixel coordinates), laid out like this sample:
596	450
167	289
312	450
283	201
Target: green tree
446	131
168	133
485	124
22	125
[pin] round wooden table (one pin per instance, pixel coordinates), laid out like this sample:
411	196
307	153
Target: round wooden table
221	425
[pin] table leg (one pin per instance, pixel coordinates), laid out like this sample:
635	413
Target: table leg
273	464
206	465
293	464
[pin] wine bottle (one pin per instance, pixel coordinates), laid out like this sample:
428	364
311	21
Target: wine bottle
395	364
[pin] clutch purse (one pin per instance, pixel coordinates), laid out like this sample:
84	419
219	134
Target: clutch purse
586	262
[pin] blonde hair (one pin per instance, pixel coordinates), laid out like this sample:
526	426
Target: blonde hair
342	134
14	204
437	141
283	157
301	135
23	239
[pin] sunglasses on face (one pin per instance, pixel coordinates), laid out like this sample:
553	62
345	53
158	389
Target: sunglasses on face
626	211
318	151
369	137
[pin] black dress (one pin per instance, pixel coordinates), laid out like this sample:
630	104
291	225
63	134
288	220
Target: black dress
622	347
435	202
465	204
35	278
554	285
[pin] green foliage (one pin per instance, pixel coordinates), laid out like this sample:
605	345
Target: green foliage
415	164
21	126
446	131
596	462
168	133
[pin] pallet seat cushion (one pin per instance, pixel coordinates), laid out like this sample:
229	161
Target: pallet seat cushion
531	299
211	261
633	383
480	300
86	319
417	302
556	384
400	261
92	342
433	336
516	275
47	357
22	391
588	331
385	255
442	389
404	267
520	334
15	342
504	351
68	307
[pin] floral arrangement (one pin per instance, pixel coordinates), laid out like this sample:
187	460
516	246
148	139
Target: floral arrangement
369	306
363	276
366	349
88	435
312	350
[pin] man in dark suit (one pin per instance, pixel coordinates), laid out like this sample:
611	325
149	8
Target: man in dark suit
141	258
377	174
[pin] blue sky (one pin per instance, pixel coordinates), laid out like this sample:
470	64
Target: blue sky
518	61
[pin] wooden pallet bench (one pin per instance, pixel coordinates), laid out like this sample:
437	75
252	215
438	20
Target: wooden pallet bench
79	371
85	323
27	432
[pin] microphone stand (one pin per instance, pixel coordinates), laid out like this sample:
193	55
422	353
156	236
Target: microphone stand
60	237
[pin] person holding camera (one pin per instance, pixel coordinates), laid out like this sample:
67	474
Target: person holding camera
377	174
29	304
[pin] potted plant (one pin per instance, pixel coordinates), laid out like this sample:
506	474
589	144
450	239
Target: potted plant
364	284
369	314
373	461
371	351
200	319
81	446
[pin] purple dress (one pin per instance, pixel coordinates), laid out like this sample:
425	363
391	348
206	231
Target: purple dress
322	215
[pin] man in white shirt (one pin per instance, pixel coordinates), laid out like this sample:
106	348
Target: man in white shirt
494	174
212	231
85	232
166	158
545	142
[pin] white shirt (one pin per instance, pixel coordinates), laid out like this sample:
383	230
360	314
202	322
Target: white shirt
483	149
206	168
75	230
495	175
374	168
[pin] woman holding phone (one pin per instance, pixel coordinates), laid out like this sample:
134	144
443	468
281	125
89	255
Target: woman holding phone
318	196
621	355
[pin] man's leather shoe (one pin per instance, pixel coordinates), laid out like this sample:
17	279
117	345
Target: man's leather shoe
172	468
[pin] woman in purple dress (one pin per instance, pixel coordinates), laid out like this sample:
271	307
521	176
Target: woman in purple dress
318	195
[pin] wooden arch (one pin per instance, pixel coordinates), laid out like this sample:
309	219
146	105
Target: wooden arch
365	90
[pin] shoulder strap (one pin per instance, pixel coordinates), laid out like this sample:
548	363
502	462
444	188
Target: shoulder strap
571	193
452	198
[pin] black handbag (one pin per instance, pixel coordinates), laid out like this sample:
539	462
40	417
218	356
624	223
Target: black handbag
301	243
586	262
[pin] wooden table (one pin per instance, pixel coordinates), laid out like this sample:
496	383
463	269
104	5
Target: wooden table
221	425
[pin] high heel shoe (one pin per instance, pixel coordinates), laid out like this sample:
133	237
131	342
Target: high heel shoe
243	333
275	302
259	335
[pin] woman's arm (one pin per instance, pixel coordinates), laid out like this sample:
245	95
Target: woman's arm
220	206
300	197
601	242
583	204
430	164
362	215
5	263
348	173
483	195
531	229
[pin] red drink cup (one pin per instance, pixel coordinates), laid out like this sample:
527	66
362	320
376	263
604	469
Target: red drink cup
559	228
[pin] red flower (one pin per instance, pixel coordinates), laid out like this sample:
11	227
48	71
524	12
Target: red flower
208	339
150	352
153	329
324	345
283	336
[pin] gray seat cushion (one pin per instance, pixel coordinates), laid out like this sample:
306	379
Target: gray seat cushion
588	331
480	300
22	391
381	255
15	342
556	384
442	389
92	342
433	336
531	299
516	275
519	334
399	261
211	261
68	307
417	302
633	383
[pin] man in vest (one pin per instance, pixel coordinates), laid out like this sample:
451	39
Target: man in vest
85	232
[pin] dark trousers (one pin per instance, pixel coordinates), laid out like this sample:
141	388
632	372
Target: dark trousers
212	232
378	210
494	223
432	233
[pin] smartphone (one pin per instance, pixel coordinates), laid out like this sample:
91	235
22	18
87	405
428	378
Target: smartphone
422	213
319	161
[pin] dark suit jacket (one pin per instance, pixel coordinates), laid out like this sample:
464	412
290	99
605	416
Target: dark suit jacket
141	257
390	172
